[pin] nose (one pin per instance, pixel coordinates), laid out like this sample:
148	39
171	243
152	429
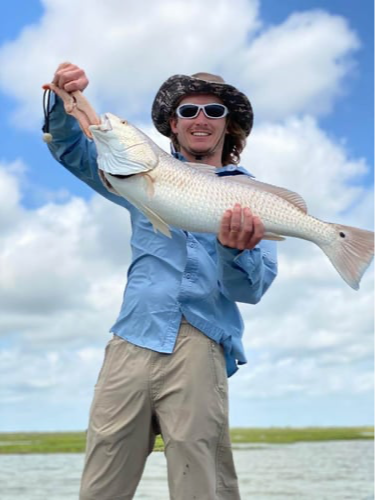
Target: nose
201	117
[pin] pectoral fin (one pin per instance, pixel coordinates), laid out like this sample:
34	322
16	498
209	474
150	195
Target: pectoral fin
157	222
113	184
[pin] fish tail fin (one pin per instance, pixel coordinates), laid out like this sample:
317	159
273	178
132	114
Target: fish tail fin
351	253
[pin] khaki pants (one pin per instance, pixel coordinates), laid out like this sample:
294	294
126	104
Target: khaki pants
183	395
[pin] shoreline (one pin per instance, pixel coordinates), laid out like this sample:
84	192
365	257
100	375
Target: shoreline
74	442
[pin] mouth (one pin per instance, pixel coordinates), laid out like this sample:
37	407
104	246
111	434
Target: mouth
200	133
103	126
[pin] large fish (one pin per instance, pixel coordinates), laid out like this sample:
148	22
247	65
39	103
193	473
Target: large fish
192	197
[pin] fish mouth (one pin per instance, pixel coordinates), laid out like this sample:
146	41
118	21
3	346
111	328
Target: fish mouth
103	126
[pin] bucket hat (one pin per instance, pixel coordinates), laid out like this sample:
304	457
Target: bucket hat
178	86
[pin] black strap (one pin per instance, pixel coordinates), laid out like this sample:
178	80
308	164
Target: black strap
46	109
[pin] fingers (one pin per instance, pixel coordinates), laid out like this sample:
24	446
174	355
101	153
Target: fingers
230	228
257	233
240	229
70	77
236	219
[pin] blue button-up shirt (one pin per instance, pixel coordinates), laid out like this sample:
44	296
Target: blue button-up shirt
189	275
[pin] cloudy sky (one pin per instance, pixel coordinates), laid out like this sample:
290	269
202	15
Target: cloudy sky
64	251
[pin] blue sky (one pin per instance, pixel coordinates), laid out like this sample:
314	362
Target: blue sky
308	70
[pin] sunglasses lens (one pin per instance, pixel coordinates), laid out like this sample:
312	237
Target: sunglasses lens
210	110
215	110
187	111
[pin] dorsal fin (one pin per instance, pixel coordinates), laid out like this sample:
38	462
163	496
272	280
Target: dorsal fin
290	196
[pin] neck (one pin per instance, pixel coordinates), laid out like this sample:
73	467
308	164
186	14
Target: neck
207	158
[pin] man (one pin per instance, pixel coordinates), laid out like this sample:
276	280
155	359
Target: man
178	333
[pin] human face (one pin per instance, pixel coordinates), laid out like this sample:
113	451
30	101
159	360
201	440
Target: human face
200	136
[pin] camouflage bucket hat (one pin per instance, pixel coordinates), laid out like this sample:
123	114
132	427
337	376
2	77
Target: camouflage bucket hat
178	86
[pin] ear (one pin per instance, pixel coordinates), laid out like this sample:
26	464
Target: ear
173	124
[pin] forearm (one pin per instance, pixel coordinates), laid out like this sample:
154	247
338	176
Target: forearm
245	276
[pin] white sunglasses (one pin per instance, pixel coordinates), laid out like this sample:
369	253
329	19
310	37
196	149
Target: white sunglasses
213	110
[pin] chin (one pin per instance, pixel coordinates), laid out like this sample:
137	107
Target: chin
201	148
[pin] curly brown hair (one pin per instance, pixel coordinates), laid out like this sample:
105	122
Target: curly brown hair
234	144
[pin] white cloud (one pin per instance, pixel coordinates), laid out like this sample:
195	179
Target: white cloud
50	374
62	269
303	378
296	67
10	196
299	65
299	155
127	54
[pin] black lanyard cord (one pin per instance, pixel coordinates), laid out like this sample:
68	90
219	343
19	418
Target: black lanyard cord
47	136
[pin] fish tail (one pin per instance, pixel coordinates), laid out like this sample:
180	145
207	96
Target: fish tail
351	252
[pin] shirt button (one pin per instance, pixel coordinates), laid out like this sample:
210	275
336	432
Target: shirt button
188	276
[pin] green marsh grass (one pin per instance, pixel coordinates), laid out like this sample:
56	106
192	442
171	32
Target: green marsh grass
74	442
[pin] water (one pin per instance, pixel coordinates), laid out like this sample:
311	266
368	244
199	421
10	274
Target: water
304	471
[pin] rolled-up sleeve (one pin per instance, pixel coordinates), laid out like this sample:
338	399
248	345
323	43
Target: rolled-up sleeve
245	276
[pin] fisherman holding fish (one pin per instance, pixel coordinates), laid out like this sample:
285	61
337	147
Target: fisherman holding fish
178	335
